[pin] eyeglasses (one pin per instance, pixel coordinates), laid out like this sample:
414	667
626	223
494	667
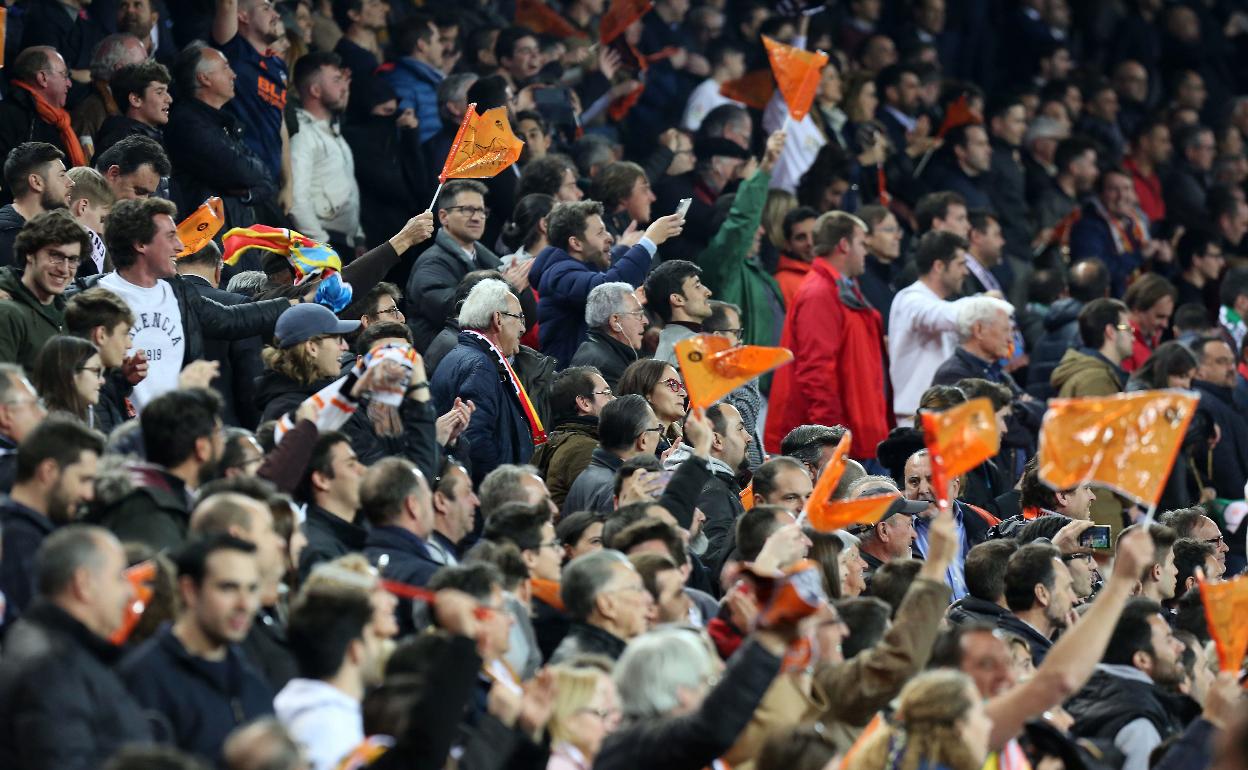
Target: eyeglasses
1216	540
674	385
606	392
734	332
655	429
632	312
57	258
556	543
1123	327
26	402
519	316
471	211
603	714
98	371
392	310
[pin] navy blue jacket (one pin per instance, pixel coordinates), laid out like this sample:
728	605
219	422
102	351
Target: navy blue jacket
498	433
563	285
1230	455
24	530
1090	237
400	556
199	702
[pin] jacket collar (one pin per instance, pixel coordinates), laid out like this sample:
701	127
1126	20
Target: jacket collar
587	425
599	637
57	620
444	239
398	539
605	458
624	351
792	265
348	533
11	507
1221	391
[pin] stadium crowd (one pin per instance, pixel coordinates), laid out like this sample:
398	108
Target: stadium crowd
460	515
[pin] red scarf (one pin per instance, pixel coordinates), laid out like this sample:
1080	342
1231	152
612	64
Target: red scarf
530	413
58	117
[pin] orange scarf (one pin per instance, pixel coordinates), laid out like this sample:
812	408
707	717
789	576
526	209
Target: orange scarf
58	117
547	591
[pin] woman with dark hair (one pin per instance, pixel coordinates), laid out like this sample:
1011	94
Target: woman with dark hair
825	550
580	533
524	236
661	385
1173	365
68	375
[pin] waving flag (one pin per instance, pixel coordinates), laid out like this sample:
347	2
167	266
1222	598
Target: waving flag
753	89
713	367
959	113
620	16
958	440
1127	442
1226	607
201	226
797	74
484	146
825	514
543	20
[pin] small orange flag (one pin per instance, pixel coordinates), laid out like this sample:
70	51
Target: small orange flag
4	20
140	577
620	16
753	89
797	74
1226	607
1127	442
483	146
543	20
201	226
958	440
713	367
959	113
825	514
747	496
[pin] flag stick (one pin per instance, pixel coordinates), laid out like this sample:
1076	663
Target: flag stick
1152	514
435	196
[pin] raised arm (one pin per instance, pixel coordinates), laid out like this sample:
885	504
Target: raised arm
1073	658
225	21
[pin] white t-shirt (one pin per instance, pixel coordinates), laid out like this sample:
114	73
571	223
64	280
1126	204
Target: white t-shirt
157	330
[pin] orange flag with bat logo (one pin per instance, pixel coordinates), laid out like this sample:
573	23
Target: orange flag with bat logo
620	16
958	440
826	514
483	146
1226	608
1127	442
201	226
797	74
713	367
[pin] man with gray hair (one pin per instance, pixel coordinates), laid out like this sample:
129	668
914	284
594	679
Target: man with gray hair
892	537
608	603
510	483
616	322
61	704
812	445
505	427
112	53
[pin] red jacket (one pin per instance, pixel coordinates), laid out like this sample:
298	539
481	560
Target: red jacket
837	376
790	272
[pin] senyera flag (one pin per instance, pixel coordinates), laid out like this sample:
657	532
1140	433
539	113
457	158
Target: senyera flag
483	146
1226	607
958	440
825	514
713	367
620	16
1126	442
797	74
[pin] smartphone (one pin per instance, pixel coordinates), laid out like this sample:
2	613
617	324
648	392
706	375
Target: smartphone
682	208
1096	537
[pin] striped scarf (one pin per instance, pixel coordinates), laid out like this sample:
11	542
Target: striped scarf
522	396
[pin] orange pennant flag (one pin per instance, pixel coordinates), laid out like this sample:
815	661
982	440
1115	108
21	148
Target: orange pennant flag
713	367
797	74
753	89
140	577
620	16
1127	442
958	440
747	496
840	514
959	113
483	146
543	20
1226	607
201	226
829	477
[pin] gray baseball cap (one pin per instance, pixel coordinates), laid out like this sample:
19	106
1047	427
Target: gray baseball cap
303	322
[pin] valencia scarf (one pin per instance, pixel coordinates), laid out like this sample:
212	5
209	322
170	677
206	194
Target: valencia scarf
530	413
58	117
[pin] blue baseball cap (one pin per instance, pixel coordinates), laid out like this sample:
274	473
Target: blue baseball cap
303	322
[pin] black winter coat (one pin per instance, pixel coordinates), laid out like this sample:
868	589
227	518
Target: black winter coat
61	705
22	530
391	172
155	511
239	359
608	354
1230	454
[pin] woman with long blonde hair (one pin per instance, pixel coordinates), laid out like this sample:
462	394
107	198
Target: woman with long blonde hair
940	724
586	710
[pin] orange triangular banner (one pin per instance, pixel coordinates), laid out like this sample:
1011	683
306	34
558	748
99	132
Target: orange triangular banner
797	74
753	89
1226	607
829	477
484	146
959	113
1127	442
747	496
543	20
620	16
839	514
713	367
140	577
958	440
201	226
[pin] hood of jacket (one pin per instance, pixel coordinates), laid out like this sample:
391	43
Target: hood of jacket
546	259
1061	313
1078	362
10	219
